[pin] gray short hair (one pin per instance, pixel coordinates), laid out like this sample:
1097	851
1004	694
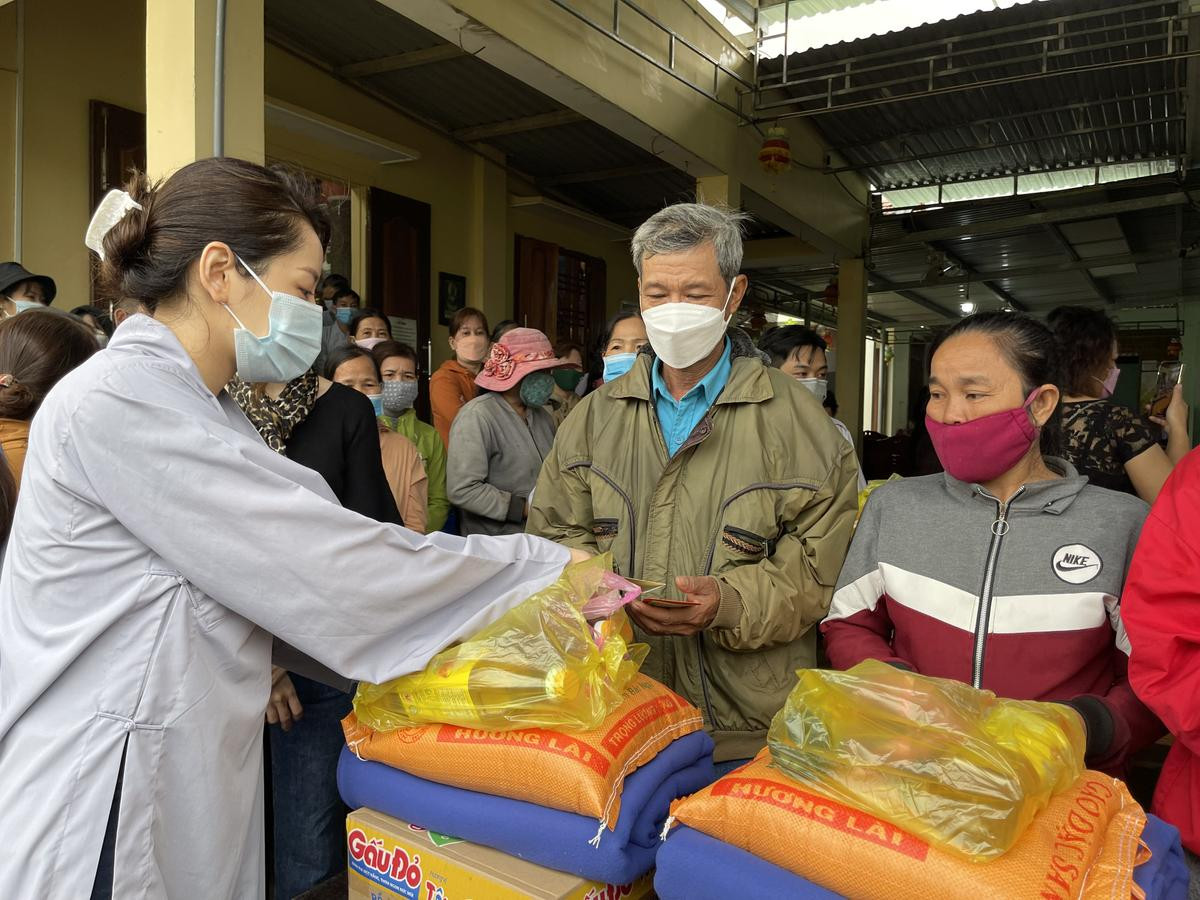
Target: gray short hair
683	226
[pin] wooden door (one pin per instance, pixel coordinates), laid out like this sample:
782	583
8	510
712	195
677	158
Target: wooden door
536	290
118	148
581	297
399	283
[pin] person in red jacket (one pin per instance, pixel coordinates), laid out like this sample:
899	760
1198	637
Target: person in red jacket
1161	610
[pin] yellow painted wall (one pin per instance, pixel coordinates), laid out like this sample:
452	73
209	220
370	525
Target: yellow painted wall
74	52
8	126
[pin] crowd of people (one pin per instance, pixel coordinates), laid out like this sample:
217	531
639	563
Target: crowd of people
230	509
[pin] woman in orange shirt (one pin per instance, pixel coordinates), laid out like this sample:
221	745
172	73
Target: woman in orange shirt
453	384
37	348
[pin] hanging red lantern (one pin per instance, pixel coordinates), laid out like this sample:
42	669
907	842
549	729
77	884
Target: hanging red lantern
831	293
776	153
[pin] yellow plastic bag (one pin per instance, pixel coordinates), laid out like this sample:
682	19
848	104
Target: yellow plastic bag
954	765
541	664
871	487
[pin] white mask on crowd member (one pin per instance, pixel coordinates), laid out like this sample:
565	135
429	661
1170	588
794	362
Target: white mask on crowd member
683	333
818	387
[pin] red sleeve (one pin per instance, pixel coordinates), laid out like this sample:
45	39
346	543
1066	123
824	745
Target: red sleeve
1161	606
1135	726
865	635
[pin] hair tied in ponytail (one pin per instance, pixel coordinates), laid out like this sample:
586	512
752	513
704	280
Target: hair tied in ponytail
112	209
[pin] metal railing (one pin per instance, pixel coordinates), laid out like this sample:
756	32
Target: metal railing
1148	32
612	29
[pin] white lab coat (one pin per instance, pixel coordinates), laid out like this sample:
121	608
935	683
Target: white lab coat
158	543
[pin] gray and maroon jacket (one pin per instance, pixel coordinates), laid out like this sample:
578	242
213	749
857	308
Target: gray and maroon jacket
1022	599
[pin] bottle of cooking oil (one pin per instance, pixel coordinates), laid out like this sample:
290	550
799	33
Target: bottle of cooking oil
479	692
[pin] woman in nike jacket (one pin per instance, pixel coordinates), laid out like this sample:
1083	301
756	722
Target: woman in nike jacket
1006	571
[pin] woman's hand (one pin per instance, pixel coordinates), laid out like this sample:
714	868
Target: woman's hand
578	556
1176	423
284	707
1177	411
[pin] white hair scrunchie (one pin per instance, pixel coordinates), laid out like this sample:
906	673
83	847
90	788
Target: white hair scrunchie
112	209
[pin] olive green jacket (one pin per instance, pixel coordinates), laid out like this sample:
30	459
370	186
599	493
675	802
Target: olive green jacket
763	495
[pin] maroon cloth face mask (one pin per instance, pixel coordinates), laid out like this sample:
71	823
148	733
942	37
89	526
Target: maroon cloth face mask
984	448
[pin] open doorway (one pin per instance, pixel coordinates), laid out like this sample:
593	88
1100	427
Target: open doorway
399	229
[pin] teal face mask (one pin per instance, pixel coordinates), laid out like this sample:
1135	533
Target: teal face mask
345	314
536	389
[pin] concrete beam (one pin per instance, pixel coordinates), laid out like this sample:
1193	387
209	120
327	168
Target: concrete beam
990	285
758	205
771	253
398	61
1065	245
516	126
886	285
1037	219
551	50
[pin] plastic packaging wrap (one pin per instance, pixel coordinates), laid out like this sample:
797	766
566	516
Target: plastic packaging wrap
871	487
957	766
541	664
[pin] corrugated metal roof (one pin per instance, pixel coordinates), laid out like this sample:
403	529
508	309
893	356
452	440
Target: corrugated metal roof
582	147
1113	113
846	20
463	92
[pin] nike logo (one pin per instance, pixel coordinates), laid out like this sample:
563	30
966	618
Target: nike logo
1064	568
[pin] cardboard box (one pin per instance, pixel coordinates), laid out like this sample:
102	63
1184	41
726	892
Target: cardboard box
391	859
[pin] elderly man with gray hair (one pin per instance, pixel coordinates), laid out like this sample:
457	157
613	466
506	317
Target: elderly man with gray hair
713	474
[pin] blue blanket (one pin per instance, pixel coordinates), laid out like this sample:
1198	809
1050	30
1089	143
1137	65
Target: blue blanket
694	866
548	837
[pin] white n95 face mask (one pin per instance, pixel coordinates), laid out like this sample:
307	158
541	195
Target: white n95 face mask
683	333
290	346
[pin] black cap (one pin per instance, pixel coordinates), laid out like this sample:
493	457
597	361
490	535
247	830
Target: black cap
13	273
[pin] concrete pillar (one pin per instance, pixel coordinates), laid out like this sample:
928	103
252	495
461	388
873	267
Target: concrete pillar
9	136
898	368
851	344
180	41
490	249
719	190
360	238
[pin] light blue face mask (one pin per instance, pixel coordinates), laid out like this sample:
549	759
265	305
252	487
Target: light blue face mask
377	402
617	365
345	314
289	347
24	305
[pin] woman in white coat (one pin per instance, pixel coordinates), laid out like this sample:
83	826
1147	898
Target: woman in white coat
158	544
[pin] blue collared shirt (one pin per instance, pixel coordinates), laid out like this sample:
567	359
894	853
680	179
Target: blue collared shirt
679	418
